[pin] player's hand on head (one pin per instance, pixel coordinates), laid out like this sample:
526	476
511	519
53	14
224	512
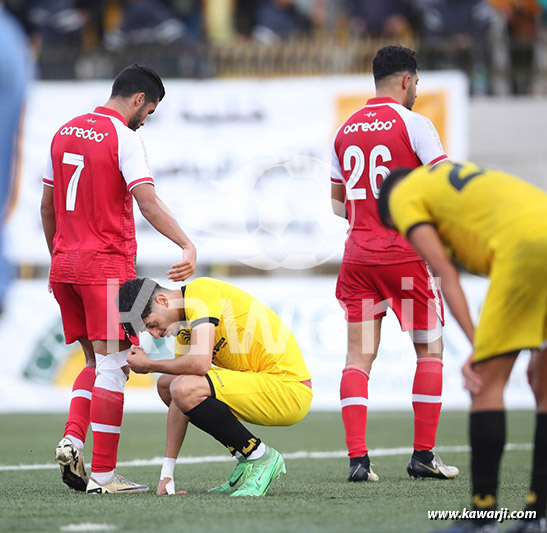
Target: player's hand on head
167	486
185	268
137	360
472	380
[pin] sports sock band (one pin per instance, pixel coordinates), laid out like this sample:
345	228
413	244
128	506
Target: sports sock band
354	401
487	437
426	401
215	418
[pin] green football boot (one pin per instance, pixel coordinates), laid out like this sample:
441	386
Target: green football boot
261	473
236	478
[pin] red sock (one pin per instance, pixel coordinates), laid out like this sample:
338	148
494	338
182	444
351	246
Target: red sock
78	413
106	422
427	401
354	399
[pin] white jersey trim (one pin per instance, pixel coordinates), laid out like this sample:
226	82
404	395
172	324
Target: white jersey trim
424	139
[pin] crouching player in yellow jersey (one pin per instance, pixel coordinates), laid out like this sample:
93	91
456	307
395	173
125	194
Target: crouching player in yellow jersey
237	360
494	224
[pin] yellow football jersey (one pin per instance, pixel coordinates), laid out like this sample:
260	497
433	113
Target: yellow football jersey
248	335
480	214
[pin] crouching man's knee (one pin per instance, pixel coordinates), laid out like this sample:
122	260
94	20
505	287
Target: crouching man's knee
187	391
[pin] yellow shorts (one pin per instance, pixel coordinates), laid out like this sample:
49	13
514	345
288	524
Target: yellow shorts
514	314
260	398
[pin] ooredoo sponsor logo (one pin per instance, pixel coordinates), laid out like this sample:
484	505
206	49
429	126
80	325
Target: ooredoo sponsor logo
377	125
89	134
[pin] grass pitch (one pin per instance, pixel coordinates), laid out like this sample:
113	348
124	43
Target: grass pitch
314	496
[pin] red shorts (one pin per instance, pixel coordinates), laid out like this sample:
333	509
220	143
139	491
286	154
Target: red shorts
366	291
89	311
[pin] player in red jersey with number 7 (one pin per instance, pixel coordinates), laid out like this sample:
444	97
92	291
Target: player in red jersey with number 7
380	269
96	166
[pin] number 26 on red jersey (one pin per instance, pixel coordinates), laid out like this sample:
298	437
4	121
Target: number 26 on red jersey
355	160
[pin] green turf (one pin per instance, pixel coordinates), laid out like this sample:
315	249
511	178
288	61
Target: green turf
313	497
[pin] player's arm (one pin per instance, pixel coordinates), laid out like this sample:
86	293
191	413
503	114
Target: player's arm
338	198
47	211
426	241
157	213
177	424
196	362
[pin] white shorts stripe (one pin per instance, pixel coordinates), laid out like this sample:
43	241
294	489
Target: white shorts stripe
81	393
354	400
426	398
104	428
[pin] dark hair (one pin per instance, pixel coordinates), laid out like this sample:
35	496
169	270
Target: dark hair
135	299
138	79
393	59
385	190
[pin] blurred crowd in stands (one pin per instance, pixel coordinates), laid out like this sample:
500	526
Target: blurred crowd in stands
490	36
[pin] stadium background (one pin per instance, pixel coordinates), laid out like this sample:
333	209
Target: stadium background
240	149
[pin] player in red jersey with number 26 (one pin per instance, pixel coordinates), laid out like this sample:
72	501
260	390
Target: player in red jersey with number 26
97	164
380	269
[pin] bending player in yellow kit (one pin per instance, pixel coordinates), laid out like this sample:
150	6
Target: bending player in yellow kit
238	361
494	224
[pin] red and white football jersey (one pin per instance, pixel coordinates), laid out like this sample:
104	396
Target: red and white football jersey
382	136
94	162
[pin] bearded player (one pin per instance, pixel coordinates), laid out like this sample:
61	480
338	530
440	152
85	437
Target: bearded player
96	166
380	269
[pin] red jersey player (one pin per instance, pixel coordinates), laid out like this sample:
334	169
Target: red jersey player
380	268
97	164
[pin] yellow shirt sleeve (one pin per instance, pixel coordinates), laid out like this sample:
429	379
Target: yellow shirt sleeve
407	207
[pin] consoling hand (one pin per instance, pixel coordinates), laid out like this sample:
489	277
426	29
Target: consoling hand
185	268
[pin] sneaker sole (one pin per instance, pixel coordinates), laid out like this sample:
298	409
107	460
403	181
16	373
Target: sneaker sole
102	490
422	476
74	480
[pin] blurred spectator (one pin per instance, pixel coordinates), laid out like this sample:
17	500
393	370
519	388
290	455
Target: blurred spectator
540	86
455	34
388	18
219	20
59	21
522	18
147	22
14	69
279	19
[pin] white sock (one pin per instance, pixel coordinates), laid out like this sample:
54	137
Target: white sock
238	455
258	453
102	477
77	442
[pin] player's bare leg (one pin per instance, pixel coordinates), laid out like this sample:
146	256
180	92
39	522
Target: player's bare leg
363	342
106	418
69	451
426	402
537	497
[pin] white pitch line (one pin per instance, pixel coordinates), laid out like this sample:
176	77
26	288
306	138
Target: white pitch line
86	526
379	452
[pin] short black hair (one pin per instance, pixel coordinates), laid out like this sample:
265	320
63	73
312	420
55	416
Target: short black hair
135	299
138	79
393	59
385	190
